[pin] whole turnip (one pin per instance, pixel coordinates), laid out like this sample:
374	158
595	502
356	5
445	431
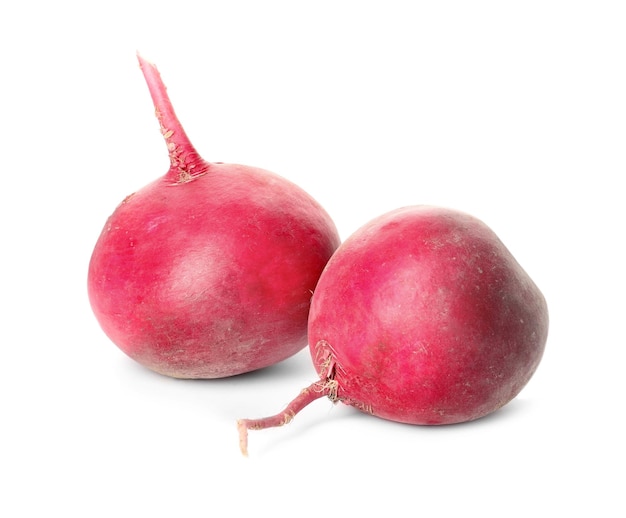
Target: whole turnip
208	271
422	316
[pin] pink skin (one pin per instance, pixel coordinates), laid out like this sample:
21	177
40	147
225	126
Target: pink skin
208	271
424	317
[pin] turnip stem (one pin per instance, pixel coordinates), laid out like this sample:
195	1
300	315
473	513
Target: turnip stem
323	387
185	162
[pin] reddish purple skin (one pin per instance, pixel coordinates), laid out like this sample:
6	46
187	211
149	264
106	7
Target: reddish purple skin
428	318
212	277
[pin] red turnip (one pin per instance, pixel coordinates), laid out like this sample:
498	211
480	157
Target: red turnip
422	316
208	271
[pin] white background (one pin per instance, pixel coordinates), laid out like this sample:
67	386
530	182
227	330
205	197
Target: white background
512	111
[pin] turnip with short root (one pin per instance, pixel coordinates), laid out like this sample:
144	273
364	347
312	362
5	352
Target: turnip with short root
422	316
208	271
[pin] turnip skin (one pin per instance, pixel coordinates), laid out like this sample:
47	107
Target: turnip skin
422	316
208	271
220	286
427	318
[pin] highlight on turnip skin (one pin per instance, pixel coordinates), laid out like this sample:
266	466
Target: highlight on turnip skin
422	316
208	271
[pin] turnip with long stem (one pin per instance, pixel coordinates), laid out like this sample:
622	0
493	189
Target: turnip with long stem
208	271
422	316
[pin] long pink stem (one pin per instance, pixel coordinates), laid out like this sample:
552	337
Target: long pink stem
323	387
185	162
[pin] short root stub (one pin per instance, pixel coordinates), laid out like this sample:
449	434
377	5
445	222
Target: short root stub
324	387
